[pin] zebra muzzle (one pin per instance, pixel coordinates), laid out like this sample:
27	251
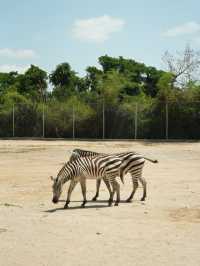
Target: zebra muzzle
55	200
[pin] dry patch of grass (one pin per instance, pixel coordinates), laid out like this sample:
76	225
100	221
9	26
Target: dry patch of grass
186	214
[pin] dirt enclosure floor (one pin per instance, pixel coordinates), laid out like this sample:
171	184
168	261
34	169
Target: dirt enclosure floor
163	230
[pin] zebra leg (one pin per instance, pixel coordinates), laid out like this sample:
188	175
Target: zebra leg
135	186
98	183
110	201
71	188
116	187
118	193
83	188
108	187
144	185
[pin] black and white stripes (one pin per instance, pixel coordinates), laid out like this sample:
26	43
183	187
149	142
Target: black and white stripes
132	163
88	167
92	165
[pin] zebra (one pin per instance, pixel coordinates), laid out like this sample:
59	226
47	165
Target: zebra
132	163
90	167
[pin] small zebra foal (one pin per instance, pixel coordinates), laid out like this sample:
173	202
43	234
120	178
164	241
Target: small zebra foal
132	163
82	168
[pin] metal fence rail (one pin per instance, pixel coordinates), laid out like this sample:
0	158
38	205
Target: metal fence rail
167	120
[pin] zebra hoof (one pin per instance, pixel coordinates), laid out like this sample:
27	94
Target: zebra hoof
142	199
83	204
129	200
94	199
116	203
66	206
110	203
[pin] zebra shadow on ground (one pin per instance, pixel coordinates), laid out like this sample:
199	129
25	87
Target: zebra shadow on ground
93	206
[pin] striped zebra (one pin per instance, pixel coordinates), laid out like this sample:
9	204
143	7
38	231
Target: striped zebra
82	168
132	163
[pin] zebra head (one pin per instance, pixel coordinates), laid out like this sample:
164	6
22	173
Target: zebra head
57	189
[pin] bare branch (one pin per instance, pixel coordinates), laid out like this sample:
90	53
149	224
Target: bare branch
184	65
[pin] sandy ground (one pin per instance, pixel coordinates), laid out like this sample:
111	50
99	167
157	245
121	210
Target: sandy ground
165	230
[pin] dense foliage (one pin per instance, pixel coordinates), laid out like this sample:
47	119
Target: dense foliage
76	106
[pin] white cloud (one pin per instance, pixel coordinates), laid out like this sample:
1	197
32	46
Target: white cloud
184	29
17	53
9	68
96	29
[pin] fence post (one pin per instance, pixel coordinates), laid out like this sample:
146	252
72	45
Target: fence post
166	120
43	122
13	120
136	120
73	122
103	114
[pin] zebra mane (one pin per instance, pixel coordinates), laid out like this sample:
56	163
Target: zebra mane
86	152
59	175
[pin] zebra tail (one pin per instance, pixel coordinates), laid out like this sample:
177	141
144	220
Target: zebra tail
150	160
121	175
122	179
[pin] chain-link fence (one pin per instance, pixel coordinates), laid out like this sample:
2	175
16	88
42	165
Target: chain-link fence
169	120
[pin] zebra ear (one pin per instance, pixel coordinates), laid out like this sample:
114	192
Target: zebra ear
51	177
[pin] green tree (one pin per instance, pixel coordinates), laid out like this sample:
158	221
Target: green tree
33	83
165	91
138	75
93	79
7	80
64	81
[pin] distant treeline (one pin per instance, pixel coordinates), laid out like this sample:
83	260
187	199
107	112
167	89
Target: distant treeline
114	94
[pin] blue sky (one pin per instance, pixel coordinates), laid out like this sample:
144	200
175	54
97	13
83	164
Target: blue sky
47	32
